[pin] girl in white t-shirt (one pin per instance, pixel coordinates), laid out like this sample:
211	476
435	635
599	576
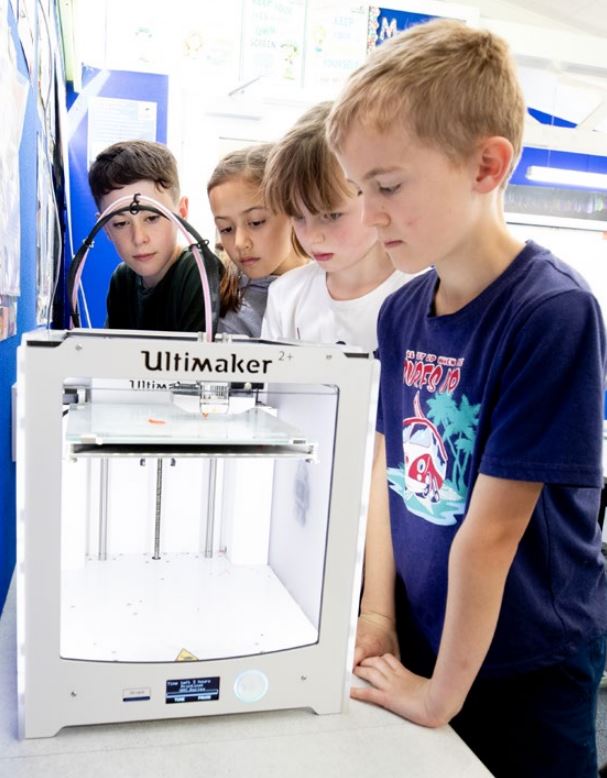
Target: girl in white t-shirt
337	297
258	241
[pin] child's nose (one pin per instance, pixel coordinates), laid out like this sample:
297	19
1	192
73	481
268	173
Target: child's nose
242	240
373	216
139	233
316	234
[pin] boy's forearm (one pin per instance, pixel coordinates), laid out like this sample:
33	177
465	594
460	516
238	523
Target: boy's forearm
476	587
479	563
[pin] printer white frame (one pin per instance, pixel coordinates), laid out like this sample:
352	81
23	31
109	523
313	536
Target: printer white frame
55	692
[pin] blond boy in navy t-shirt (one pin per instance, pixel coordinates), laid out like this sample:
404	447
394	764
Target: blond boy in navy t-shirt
483	561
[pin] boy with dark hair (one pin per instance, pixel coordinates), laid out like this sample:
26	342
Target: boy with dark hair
483	548
157	286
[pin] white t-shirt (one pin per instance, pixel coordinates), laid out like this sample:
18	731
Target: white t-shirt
300	308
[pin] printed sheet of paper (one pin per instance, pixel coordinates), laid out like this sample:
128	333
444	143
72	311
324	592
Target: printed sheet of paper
113	119
273	41
336	43
45	239
14	89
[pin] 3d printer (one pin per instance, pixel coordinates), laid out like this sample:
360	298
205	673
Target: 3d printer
190	524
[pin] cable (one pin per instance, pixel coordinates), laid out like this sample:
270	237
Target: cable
85	305
198	246
56	261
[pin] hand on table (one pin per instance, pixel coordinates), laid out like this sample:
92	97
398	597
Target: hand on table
399	690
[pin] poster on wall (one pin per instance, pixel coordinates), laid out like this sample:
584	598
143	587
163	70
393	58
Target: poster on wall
14	90
45	238
209	44
113	119
384	23
8	316
273	41
336	44
140	35
47	45
26	24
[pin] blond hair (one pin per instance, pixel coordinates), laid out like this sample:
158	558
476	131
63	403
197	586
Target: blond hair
451	85
302	169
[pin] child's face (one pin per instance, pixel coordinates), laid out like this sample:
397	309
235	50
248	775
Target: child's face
145	241
338	240
256	240
424	207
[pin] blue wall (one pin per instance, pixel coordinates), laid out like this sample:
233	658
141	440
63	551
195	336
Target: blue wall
26	314
102	259
99	266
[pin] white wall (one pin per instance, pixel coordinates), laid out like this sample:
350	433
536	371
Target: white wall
510	12
205	121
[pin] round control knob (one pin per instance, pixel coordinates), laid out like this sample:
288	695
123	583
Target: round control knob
251	686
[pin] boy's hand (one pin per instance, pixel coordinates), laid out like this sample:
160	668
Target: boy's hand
398	690
375	635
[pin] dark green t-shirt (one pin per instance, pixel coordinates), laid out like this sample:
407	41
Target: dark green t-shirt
175	304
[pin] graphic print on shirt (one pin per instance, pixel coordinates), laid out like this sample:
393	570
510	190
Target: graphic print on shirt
438	440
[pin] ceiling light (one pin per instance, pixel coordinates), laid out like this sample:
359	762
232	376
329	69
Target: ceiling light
554	175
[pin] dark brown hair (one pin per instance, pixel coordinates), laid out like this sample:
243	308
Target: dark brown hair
129	161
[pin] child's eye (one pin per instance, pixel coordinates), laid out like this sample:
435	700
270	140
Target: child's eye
118	225
257	222
153	217
332	217
388	190
224	230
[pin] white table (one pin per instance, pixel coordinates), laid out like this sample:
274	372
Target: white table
367	741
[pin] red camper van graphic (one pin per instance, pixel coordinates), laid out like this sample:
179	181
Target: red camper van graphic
425	455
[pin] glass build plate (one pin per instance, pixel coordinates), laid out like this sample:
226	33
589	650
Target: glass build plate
104	424
132	608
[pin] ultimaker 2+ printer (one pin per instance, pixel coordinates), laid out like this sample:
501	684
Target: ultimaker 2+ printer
190	525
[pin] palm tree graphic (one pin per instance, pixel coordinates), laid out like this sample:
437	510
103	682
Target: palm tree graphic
459	433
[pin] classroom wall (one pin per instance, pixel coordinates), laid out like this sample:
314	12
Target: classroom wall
85	141
25	321
26	307
203	124
229	87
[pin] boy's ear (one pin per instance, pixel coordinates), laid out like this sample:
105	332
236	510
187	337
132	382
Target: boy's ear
183	207
492	163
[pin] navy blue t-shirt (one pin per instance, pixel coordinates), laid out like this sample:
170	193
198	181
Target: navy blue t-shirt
510	386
